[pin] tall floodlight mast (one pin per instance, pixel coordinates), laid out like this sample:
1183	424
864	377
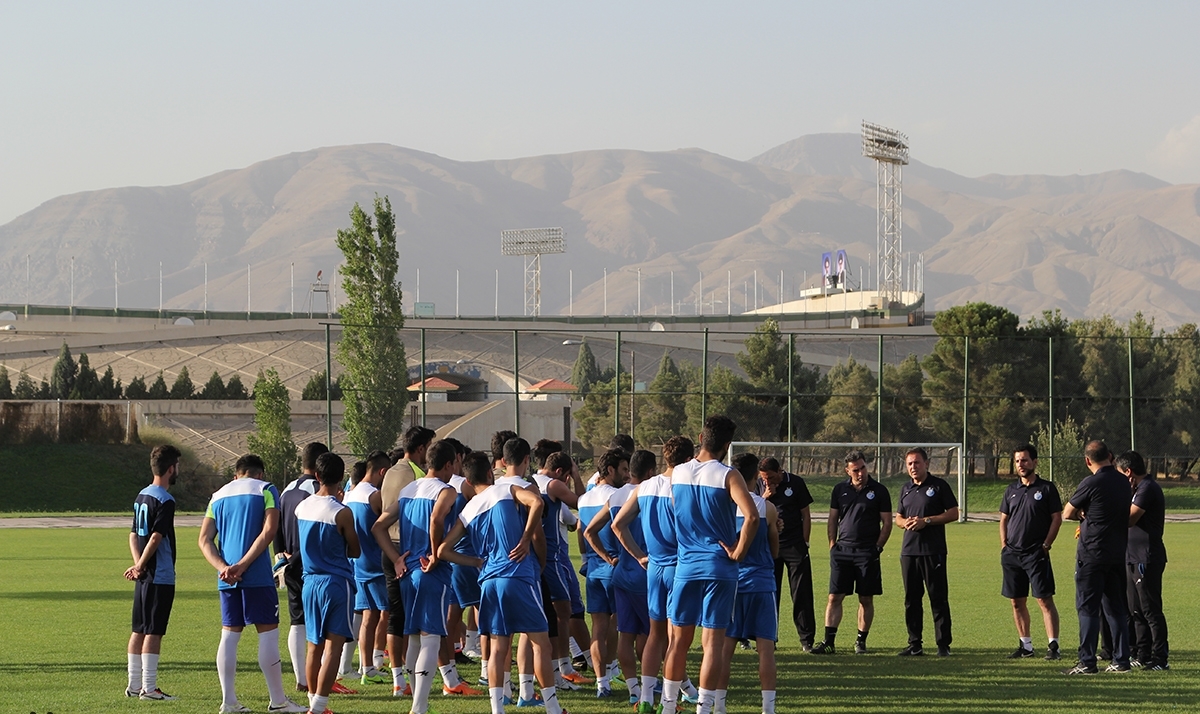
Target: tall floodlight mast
889	148
533	243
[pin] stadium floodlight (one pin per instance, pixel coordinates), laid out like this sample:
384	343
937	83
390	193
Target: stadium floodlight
533	243
889	148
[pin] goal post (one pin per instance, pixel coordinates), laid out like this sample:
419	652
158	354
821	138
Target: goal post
822	464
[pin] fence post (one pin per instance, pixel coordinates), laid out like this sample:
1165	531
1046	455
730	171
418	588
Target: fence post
966	394
879	406
1050	427
791	385
617	390
424	398
328	390
516	384
704	380
1132	435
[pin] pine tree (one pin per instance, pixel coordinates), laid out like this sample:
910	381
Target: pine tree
109	388
234	389
137	389
6	390
214	388
183	387
662	413
586	372
87	384
43	391
63	374
272	439
25	387
159	390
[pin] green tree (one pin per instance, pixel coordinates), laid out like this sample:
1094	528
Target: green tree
585	372
1069	468
234	389
314	389
848	413
272	437
110	388
25	387
764	359
158	390
63	374
137	389
183	388
662	413
43	391
87	384
375	369
6	390
214	388
903	403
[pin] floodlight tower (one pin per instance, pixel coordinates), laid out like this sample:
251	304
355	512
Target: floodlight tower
533	243
889	148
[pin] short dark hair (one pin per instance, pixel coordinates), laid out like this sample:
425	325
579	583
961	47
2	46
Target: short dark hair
920	451
678	450
477	468
1027	449
249	464
395	455
611	459
416	437
856	455
163	458
358	472
378	460
542	450
331	470
747	466
717	434
516	450
770	464
499	439
624	442
459	447
1131	461
559	460
441	454
643	464
1097	451
309	454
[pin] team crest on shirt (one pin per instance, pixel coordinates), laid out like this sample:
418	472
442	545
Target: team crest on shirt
870	495
930	491
1037	496
787	492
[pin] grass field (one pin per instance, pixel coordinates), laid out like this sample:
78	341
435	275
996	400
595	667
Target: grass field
65	618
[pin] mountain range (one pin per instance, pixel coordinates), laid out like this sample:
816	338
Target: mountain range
1115	243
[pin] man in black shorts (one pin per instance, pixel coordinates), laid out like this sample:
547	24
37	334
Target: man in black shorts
287	544
1030	516
860	522
926	504
1145	560
789	494
152	544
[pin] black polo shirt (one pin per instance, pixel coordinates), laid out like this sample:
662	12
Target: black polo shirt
287	538
790	498
1029	510
1104	498
1146	537
931	497
859	511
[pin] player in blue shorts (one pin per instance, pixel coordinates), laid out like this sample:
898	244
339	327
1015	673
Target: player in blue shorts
552	482
371	599
242	518
477	471
601	598
504	523
707	495
328	541
152	543
754	614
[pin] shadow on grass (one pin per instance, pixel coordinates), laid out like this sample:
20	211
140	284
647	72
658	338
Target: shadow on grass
60	596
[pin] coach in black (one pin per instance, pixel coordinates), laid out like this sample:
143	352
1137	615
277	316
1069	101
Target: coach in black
1145	560
1030	516
860	522
790	496
1102	503
925	506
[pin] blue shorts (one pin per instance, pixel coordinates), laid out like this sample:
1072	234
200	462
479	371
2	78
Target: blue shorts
659	580
327	610
559	591
509	606
249	606
465	582
426	602
707	603
371	595
632	614
754	617
601	597
572	582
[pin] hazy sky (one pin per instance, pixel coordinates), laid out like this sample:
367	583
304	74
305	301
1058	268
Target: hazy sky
95	95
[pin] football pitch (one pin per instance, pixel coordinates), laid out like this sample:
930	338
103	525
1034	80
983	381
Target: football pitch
64	614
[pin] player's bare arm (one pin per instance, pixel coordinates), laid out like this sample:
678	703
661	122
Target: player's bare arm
533	521
773	529
390	515
345	525
626	516
447	553
259	546
831	527
139	559
437	519
592	534
885	530
741	498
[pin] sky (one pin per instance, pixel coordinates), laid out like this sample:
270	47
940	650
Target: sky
98	95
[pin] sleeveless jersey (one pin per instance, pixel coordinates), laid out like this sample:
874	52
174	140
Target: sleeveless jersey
495	521
369	564
460	502
154	512
322	547
629	575
550	524
590	505
756	572
416	508
656	514
704	518
239	509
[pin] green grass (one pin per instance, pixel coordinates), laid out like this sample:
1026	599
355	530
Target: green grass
65	610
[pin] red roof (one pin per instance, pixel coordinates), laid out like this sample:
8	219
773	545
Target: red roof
434	384
551	385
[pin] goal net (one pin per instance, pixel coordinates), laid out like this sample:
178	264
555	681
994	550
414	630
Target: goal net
823	464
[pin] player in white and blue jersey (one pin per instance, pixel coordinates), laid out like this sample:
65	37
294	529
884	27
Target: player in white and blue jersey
504	523
707	495
601	550
450	653
237	530
559	574
754	614
371	598
152	544
328	542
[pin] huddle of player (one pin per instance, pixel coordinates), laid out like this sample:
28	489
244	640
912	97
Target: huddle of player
663	554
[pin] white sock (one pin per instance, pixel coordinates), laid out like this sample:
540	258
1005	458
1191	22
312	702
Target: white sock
768	699
1054	640
719	701
634	687
690	689
318	704
508	684
614	669
575	650
567	666
398	677
271	665
496	695
707	699
149	672
134	668
450	676
1027	643
648	684
347	664
550	697
298	651
472	641
603	683
528	683
227	665
423	672
483	669
670	696
379	659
